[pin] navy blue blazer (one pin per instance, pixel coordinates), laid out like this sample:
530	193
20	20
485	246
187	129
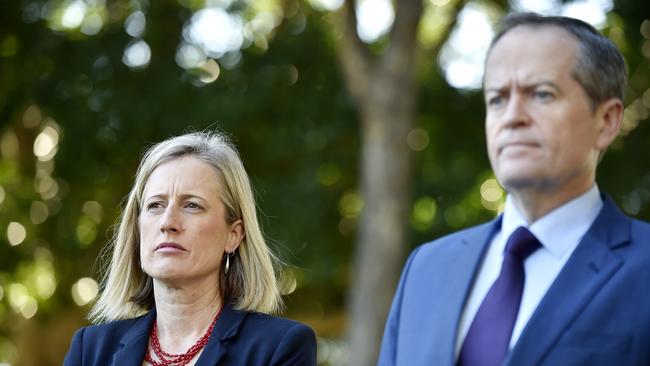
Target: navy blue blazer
238	338
596	312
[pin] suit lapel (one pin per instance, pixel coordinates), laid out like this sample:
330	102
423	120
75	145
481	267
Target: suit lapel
590	267
457	285
135	341
227	327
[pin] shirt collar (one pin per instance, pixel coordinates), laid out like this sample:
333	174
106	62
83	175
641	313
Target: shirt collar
560	229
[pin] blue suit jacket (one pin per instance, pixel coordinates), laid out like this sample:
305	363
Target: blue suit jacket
239	338
596	312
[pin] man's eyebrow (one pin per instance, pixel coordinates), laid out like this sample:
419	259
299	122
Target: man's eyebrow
525	86
495	89
542	83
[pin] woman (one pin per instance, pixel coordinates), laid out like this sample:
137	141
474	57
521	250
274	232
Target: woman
190	255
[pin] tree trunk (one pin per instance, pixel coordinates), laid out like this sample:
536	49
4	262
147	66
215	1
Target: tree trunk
384	89
386	181
385	92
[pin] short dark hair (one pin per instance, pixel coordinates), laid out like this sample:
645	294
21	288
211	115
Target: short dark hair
600	67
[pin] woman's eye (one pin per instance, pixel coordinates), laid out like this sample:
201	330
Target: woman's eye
153	205
193	205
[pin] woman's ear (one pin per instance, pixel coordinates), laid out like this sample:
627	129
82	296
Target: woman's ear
235	236
609	116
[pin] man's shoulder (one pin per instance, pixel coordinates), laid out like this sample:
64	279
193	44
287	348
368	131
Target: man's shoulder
462	246
640	237
640	226
448	242
616	227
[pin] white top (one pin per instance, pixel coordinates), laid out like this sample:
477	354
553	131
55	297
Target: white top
559	232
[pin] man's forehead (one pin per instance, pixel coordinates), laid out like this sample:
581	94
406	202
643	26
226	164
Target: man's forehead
531	53
535	33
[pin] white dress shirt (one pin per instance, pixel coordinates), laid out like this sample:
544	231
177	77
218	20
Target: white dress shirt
559	232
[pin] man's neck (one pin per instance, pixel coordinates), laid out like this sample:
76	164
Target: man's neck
534	203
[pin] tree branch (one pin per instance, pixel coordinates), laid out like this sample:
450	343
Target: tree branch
405	26
400	55
458	7
354	56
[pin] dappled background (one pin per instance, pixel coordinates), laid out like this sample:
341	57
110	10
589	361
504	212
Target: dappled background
341	111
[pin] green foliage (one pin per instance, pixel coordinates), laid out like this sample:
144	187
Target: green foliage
286	109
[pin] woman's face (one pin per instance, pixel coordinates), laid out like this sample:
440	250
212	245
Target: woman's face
182	224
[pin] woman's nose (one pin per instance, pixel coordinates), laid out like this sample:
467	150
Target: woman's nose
170	221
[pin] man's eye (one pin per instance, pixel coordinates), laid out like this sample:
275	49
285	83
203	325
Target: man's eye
495	100
543	95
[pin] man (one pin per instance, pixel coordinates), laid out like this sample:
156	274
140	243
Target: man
561	277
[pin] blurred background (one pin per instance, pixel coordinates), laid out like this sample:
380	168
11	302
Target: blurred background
360	124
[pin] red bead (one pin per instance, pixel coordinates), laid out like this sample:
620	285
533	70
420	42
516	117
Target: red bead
181	359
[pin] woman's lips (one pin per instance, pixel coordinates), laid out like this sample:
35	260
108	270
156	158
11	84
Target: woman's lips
169	247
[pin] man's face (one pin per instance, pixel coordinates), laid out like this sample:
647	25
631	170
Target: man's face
541	130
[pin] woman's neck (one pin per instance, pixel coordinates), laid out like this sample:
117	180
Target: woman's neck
184	313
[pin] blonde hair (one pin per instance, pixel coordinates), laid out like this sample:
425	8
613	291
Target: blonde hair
251	283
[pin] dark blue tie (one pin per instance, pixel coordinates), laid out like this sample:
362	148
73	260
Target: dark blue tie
487	340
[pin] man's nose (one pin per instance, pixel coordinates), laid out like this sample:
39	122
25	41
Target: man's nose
170	221
516	113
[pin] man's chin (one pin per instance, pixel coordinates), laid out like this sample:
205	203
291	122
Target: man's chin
515	182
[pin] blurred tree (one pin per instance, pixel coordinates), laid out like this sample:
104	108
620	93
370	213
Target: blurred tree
384	87
71	98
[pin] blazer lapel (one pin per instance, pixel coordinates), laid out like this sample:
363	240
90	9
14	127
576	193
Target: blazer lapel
135	342
591	265
458	283
227	327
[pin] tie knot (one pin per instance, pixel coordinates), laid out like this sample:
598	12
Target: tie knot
522	243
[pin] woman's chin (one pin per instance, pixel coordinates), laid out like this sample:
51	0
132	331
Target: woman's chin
173	276
164	273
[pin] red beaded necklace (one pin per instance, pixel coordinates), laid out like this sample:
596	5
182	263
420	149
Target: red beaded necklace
180	359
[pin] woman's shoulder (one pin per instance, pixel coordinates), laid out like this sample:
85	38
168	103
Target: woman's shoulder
260	328
264	339
95	344
112	329
275	324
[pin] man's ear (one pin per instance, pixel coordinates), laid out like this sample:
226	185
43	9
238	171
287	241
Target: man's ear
609	116
235	236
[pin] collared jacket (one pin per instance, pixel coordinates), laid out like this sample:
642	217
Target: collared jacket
596	312
238	338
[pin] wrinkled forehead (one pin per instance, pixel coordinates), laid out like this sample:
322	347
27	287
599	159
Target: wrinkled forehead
187	174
